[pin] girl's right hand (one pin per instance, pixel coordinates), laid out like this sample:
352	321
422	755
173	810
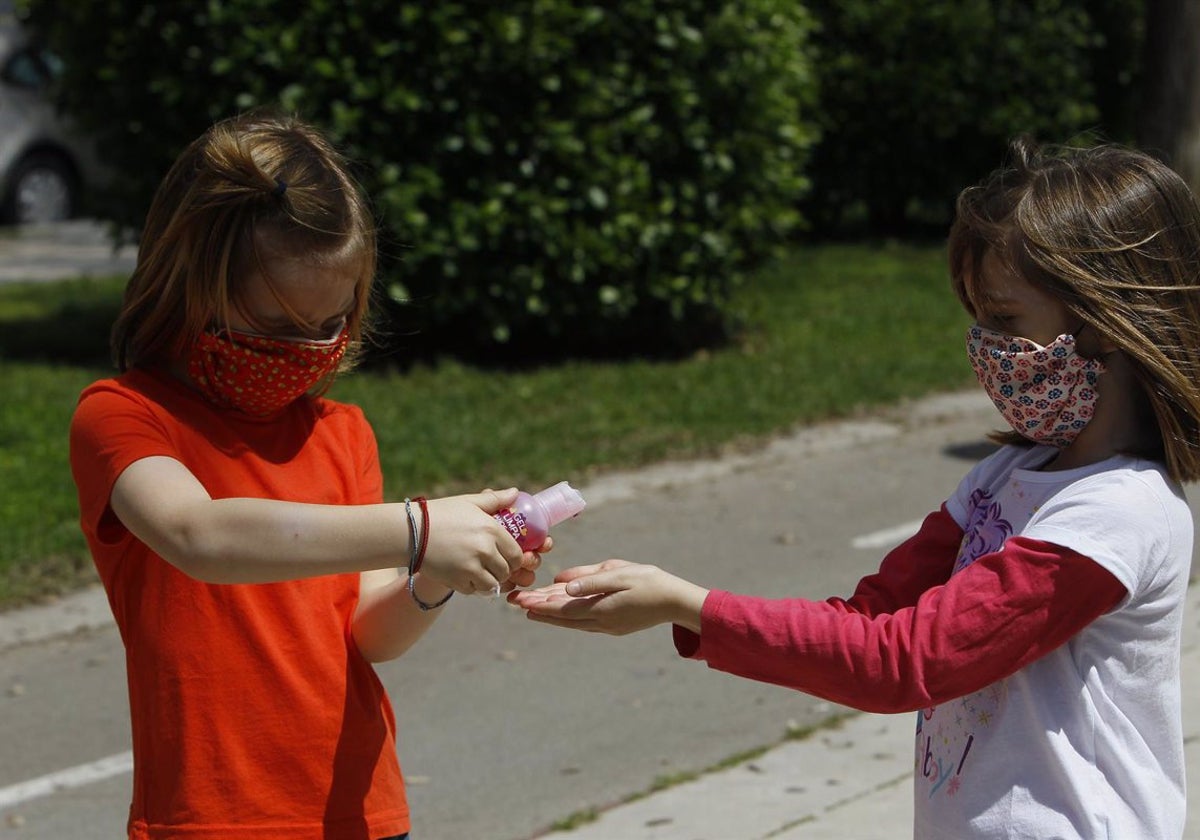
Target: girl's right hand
468	549
615	597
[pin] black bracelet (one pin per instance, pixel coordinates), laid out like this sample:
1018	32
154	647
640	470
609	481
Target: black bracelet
415	558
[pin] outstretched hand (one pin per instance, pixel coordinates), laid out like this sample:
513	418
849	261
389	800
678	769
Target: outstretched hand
615	597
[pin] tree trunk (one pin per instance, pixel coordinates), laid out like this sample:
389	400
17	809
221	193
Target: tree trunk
1169	117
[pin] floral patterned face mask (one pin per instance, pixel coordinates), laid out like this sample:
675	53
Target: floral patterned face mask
1047	394
259	375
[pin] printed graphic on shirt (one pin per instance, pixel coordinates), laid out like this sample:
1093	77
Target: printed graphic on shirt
986	530
947	733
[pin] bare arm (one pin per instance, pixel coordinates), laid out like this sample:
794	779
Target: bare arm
248	540
388	621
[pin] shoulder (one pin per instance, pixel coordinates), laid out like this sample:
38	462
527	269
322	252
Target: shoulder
1129	516
107	399
342	418
1132	490
338	412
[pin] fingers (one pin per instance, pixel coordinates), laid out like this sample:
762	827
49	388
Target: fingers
588	626
583	571
509	562
471	552
521	577
587	614
580	582
600	583
494	501
527	598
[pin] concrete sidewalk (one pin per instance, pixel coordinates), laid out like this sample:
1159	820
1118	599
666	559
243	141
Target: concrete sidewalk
852	781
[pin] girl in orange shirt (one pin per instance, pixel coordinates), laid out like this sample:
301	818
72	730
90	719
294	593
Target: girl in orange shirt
236	515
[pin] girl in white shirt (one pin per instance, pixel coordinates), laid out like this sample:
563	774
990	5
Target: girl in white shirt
1034	621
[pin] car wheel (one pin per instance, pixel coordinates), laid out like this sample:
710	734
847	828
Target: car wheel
43	189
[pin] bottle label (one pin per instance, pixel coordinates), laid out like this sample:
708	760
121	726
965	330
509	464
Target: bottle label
514	522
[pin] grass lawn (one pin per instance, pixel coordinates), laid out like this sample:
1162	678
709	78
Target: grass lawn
831	330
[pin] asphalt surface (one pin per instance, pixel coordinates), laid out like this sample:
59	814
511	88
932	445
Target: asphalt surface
509	729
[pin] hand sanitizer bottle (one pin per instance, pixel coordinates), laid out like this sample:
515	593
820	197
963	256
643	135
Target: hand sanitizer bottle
530	519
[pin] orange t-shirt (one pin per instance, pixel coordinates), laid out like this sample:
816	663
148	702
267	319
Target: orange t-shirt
254	714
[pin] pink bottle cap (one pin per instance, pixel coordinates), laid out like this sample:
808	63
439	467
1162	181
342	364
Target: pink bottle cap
562	501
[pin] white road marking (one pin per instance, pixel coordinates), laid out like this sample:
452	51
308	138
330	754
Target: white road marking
888	537
72	777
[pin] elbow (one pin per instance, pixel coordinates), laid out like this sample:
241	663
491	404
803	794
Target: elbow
199	554
376	651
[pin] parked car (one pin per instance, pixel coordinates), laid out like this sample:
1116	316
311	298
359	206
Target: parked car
45	166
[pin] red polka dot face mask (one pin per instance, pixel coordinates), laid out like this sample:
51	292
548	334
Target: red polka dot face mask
259	375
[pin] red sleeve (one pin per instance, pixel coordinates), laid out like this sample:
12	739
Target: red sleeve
110	429
924	560
370	478
1002	612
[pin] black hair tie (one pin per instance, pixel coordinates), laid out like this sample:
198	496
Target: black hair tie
280	188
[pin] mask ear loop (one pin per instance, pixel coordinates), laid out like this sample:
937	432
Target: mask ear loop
1100	355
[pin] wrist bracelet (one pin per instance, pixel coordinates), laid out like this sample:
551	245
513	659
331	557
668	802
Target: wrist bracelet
412	535
417	552
424	605
424	503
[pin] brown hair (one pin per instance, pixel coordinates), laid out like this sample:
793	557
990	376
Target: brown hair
255	185
1115	235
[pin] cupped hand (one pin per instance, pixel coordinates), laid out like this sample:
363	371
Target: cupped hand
468	550
615	597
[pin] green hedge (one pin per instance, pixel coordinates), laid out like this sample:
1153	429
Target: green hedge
919	99
551	177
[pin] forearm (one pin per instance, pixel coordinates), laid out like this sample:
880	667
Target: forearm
1003	611
388	621
252	540
262	540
